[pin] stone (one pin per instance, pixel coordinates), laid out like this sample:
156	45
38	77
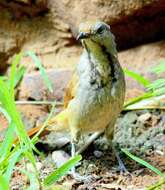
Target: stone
33	87
30	167
55	140
147	56
98	153
27	25
144	117
60	157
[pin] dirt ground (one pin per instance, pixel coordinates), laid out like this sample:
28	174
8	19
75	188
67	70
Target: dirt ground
144	137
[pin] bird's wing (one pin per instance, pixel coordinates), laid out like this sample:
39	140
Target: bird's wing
71	89
59	122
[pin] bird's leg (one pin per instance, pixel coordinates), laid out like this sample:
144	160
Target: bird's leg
73	153
89	141
122	167
75	175
109	134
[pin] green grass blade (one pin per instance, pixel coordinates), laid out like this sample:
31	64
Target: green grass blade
156	102
6	145
45	123
4	184
31	159
157	185
9	104
41	68
57	174
15	62
4	112
4	78
19	75
158	86
138	99
160	68
142	162
143	81
12	163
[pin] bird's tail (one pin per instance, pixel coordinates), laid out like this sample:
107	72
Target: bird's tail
59	123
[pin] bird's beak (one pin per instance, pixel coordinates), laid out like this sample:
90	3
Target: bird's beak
83	35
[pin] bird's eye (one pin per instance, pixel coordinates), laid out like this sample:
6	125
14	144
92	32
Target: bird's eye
100	30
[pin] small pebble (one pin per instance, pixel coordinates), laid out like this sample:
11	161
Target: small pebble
145	117
159	152
30	167
98	153
60	157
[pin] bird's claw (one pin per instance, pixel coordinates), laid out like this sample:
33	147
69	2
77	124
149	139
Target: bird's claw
124	171
85	178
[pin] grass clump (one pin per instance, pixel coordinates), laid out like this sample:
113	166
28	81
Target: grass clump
24	150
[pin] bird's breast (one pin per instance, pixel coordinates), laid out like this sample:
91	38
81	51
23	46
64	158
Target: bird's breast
97	100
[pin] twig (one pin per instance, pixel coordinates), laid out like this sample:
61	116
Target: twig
24	102
89	141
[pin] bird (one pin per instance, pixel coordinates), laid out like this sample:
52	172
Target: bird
95	94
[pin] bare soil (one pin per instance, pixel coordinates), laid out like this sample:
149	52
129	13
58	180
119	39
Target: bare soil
99	161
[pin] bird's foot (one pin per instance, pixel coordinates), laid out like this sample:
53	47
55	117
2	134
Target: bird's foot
123	170
80	178
85	178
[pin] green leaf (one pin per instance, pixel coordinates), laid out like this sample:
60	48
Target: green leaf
157	185
156	102
158	86
4	78
12	163
57	174
14	64
4	112
142	162
9	105
4	184
45	123
138	99
160	68
7	143
41	68
9	137
19	75
145	82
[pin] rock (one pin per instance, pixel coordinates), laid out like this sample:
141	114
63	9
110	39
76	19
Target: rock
60	157
147	56
30	167
143	118
130	118
98	153
140	137
8	47
32	114
54	140
52	35
33	87
141	60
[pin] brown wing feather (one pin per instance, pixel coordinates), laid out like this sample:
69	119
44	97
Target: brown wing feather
61	117
71	89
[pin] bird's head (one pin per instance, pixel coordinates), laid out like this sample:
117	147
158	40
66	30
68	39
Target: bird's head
96	33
